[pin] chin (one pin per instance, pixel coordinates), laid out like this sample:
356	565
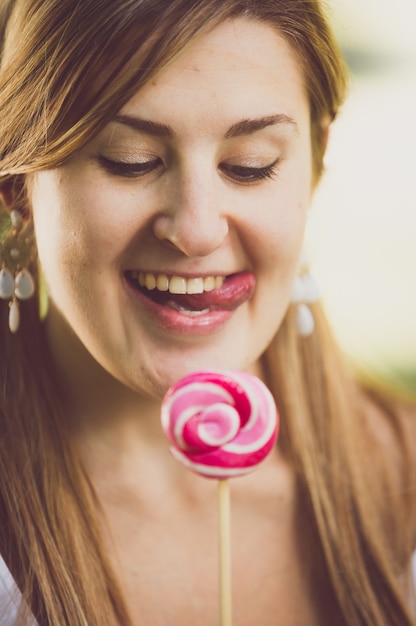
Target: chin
156	382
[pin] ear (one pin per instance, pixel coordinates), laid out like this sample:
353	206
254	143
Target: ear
324	135
13	195
6	193
319	140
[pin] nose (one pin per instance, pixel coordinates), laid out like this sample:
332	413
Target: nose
193	221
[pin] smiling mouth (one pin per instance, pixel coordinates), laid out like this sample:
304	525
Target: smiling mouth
194	296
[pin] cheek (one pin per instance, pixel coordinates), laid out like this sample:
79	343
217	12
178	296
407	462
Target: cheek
69	220
276	229
66	239
287	215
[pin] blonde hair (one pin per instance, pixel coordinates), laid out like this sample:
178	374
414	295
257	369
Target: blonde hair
66	68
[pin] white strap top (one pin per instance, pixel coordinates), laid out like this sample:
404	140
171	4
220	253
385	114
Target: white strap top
10	597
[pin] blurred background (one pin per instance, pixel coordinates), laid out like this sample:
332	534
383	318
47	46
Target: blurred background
362	229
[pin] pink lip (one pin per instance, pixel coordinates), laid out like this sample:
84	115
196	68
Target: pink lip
236	290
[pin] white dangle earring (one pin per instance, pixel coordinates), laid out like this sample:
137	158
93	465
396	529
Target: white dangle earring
16	252
305	291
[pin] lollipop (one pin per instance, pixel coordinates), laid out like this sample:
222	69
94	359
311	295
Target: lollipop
220	424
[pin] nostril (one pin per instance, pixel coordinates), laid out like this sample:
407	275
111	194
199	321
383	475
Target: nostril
195	235
162	228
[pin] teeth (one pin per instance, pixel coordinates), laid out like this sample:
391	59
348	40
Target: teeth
150	281
162	283
178	284
195	285
193	313
209	283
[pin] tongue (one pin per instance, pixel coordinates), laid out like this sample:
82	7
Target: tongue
235	290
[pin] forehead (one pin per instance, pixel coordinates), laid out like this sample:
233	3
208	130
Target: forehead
240	68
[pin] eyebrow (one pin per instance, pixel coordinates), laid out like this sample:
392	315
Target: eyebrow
144	126
243	127
248	126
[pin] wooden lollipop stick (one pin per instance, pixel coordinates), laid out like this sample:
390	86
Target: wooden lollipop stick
202	414
224	544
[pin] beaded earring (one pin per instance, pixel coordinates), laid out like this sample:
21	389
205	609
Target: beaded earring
16	253
305	291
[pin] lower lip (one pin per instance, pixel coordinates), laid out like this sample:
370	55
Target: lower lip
174	321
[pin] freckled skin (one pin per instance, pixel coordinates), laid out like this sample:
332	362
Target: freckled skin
188	217
190	214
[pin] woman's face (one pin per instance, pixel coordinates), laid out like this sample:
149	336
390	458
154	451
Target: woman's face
170	242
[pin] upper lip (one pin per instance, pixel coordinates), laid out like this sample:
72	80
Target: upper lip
188	275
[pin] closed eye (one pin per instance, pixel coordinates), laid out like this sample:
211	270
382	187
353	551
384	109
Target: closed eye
239	173
246	174
128	169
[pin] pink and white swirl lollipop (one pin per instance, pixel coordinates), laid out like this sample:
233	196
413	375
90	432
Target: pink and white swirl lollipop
220	424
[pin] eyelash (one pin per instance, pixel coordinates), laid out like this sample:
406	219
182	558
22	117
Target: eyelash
251	174
128	170
238	173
